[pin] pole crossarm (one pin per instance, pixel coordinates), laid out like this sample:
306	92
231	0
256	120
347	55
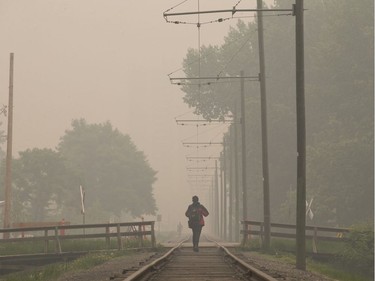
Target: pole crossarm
199	181
183	122
201	157
198	186
209	80
202	143
233	11
200	168
213	78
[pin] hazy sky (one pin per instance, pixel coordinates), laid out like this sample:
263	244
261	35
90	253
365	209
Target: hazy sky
107	60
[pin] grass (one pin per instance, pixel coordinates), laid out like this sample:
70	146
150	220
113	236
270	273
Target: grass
283	250
28	247
336	273
53	271
328	270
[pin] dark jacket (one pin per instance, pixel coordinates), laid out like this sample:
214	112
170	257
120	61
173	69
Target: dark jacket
201	210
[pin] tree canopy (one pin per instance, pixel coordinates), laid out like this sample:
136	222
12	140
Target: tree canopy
42	184
339	105
115	175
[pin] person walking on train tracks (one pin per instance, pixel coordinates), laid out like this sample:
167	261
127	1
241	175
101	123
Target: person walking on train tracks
195	213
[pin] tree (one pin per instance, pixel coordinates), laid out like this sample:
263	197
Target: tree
116	176
339	104
41	184
215	99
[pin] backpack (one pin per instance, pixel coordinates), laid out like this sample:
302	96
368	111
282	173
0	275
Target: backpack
194	216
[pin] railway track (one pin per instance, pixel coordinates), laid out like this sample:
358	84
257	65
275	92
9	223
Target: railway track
212	262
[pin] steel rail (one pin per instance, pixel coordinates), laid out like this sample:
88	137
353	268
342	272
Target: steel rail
147	268
249	272
252	272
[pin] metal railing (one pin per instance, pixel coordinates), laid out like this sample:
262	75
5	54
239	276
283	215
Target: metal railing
118	231
315	233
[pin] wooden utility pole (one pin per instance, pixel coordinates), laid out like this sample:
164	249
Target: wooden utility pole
236	176
221	175
263	104
225	170
301	138
8	172
216	200
231	181
244	154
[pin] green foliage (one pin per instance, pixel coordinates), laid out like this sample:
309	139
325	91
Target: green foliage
81	245
18	248
41	184
335	273
216	99
359	253
53	271
339	107
338	267
116	176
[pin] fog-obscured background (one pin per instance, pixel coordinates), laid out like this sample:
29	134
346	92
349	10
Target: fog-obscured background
104	61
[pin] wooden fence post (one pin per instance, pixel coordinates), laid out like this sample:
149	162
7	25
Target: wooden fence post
140	236
57	245
107	238
314	240
119	242
261	233
153	242
46	241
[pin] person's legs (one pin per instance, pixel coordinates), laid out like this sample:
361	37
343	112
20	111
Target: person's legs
196	235
199	230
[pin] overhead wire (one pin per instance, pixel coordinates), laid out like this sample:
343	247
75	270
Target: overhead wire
199	24
234	55
199	70
190	111
206	131
219	20
175	6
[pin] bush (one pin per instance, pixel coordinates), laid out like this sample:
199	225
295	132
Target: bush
359	252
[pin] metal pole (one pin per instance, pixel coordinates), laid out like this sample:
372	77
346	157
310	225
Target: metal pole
244	153
301	139
263	103
221	195
210	206
225	212
8	172
231	182
236	180
216	200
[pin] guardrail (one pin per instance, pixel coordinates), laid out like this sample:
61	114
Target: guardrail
316	233
57	233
